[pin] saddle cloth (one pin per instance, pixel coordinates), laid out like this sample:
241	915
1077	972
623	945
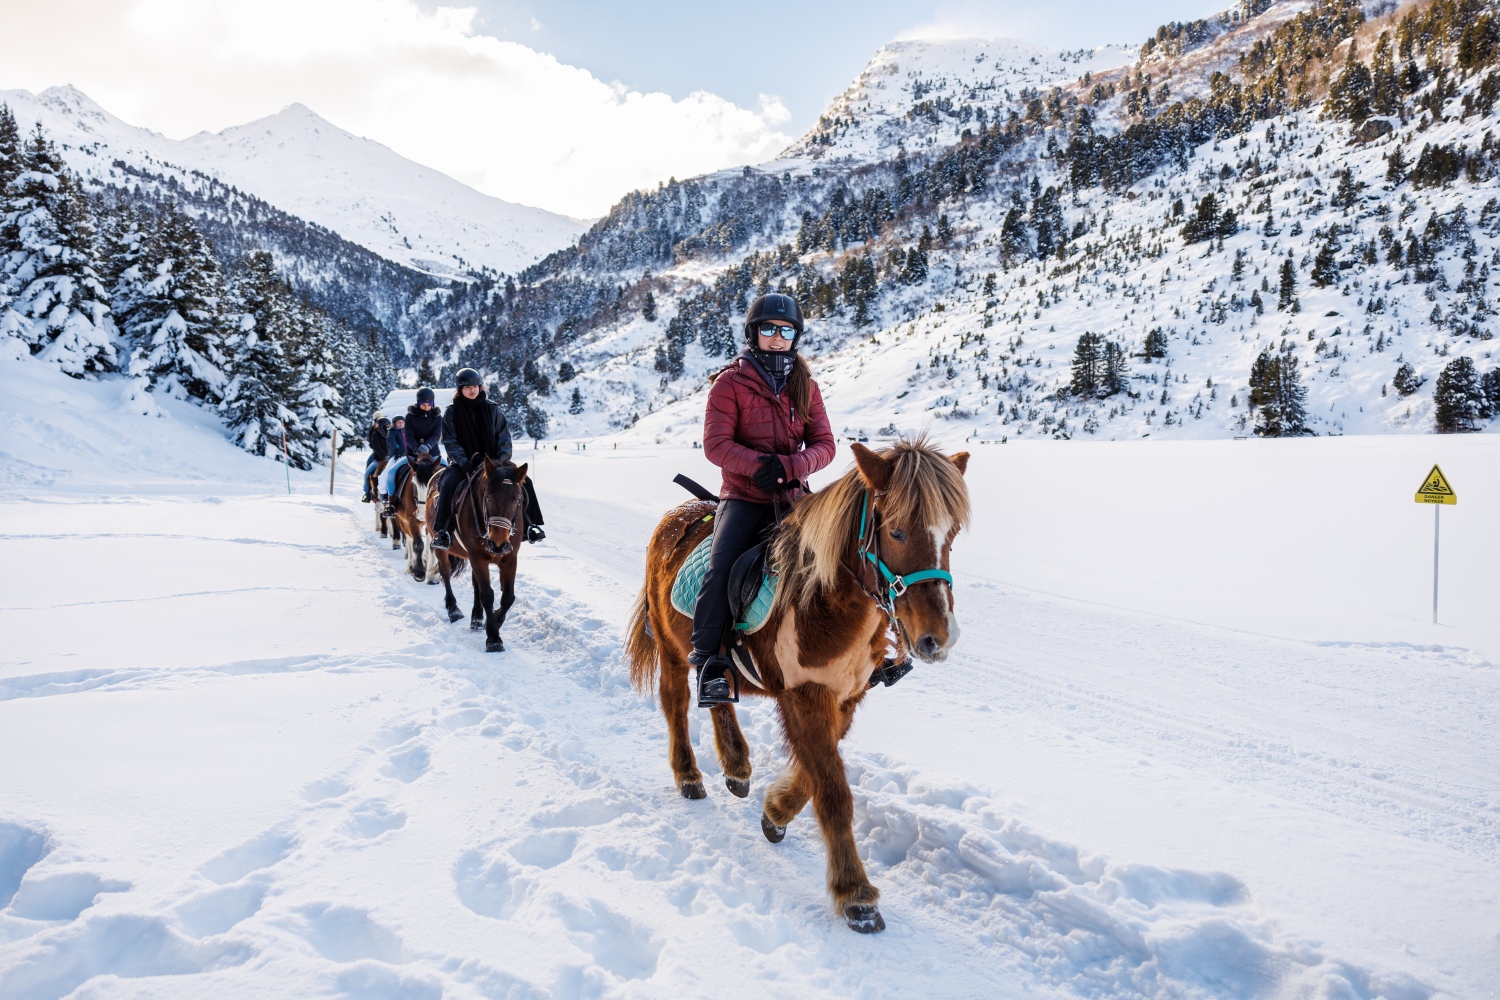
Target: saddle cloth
750	609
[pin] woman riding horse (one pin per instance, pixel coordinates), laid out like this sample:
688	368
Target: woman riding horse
424	425
380	426
474	428
767	430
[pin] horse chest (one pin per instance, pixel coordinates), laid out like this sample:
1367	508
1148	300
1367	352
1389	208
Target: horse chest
845	676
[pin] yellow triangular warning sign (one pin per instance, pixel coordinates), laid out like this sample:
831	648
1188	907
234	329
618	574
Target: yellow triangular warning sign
1435	489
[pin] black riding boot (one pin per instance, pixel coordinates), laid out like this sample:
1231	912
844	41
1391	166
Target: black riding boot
442	518
534	522
738	525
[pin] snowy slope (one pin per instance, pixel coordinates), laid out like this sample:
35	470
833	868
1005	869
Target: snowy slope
269	767
305	166
873	115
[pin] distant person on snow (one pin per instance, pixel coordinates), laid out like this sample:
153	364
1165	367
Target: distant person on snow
474	428
767	430
379	455
424	426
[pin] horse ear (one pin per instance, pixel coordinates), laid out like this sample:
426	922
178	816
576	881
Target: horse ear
961	460
875	470
489	465
521	473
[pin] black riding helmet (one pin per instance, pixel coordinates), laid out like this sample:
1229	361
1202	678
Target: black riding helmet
383	422
773	305
426	395
467	377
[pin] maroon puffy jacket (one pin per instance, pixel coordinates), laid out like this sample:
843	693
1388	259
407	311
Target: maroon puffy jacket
745	420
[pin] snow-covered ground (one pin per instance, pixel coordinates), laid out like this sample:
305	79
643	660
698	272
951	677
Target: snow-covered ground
1198	738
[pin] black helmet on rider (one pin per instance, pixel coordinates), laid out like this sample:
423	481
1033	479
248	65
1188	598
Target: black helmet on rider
773	305
468	377
426	395
383	423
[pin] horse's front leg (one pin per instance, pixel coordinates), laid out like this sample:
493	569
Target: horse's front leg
418	557
814	722
507	593
450	603
492	643
479	573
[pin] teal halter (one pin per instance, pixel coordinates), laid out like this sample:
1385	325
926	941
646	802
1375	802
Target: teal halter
896	585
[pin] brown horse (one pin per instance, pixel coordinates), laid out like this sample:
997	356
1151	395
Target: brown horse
866	555
410	514
489	520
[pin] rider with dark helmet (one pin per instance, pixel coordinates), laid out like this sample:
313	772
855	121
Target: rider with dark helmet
474	428
424	426
767	430
379	427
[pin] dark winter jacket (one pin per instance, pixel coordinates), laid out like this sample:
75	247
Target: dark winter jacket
398	443
424	428
459	449
378	452
746	420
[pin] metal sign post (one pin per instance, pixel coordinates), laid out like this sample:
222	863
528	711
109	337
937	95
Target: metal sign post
1436	490
286	460
333	459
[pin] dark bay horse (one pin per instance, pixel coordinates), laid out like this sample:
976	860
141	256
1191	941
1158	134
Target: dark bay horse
410	516
866	555
489	522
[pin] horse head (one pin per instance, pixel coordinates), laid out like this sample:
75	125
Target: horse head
502	504
424	464
917	502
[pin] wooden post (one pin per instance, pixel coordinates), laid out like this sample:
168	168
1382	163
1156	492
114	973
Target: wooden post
286	459
333	459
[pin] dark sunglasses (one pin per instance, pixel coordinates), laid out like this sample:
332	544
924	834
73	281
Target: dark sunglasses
787	333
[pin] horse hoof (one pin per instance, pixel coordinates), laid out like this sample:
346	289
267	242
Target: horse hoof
739	788
494	646
454	616
775	834
475	624
863	917
693	790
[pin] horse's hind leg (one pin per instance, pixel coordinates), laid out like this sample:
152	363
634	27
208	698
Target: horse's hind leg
814	723
450	603
676	698
734	753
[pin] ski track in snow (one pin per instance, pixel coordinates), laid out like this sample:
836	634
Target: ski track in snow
538	789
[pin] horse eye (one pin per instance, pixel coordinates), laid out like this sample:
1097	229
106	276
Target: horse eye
898	535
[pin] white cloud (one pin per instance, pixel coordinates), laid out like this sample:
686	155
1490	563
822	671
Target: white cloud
510	120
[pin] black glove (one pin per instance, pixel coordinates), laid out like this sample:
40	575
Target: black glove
461	464
769	475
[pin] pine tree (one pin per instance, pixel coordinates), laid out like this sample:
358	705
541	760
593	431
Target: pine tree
57	305
425	375
1490	383
566	372
11	152
1015	244
263	386
1277	395
648	311
1325	270
1287	293
575	405
1385	89
1347	192
1156	345
1459	403
1350	95
944	231
1405	381
1088	366
169	302
1116	370
1395	165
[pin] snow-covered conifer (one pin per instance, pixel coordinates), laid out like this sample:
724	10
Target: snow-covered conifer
56	305
263	390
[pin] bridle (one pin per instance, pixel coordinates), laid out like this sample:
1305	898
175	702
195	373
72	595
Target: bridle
489	522
867	551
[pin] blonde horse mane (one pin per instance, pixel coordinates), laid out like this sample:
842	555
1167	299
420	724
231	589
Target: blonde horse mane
925	488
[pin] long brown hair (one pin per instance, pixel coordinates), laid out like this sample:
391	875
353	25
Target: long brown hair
798	386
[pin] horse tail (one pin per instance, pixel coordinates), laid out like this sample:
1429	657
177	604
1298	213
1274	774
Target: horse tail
640	644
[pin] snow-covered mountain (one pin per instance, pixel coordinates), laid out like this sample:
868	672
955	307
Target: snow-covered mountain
970	219
302	164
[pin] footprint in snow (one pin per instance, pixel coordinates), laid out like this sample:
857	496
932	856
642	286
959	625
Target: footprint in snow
21	847
545	850
61	895
490	887
219	910
348	934
369	820
407	765
268	849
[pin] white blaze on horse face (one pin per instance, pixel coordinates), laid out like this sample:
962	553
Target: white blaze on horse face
940	533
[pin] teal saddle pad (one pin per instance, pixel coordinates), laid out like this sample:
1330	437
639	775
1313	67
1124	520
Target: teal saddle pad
690	581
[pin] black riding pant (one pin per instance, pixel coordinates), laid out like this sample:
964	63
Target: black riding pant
738	526
453	481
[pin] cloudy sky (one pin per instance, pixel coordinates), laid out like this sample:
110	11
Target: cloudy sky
564	104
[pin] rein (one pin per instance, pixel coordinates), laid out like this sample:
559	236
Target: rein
488	522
